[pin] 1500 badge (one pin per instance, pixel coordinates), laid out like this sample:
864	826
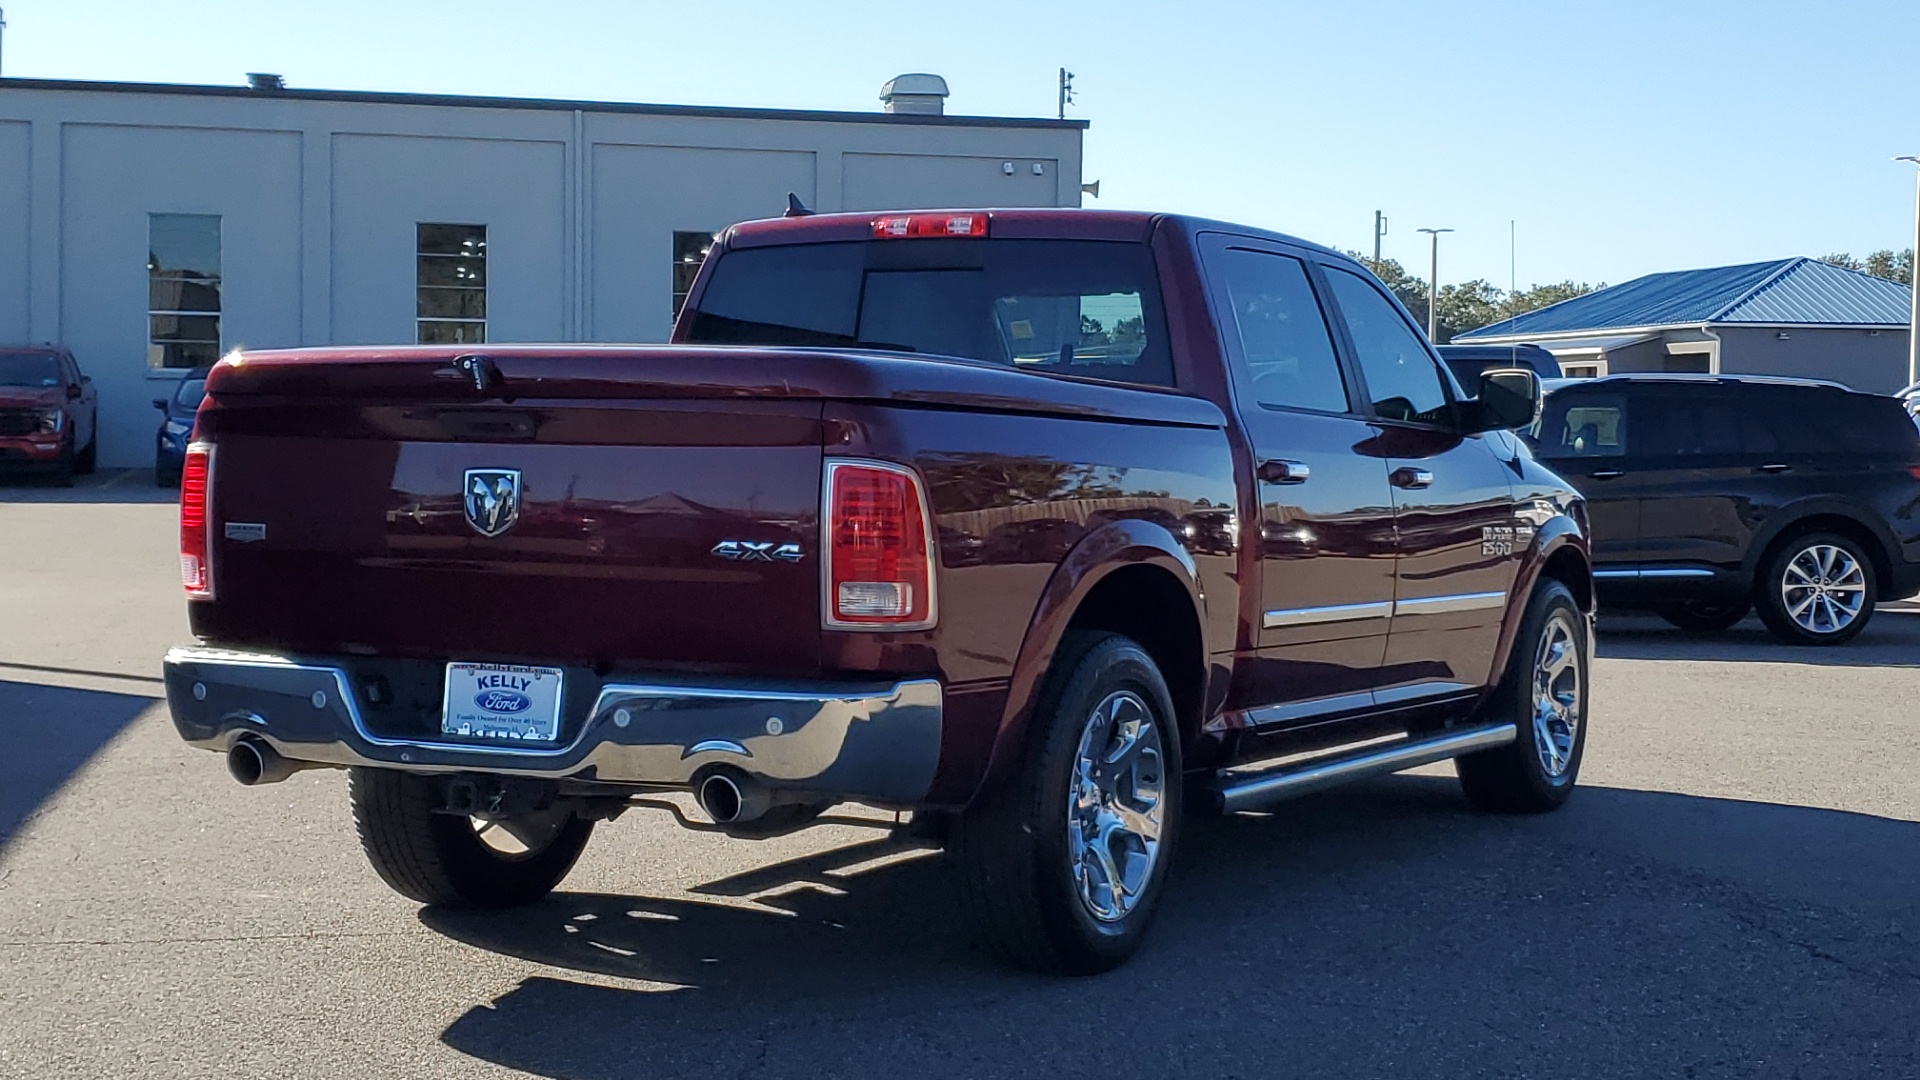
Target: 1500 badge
1497	540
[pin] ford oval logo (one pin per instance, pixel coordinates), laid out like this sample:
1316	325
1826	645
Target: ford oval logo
503	701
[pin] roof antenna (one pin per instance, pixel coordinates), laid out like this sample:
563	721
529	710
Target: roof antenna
796	208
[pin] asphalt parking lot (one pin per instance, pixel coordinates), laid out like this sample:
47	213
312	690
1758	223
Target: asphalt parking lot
1735	892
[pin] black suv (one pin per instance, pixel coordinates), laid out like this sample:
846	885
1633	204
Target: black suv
1713	494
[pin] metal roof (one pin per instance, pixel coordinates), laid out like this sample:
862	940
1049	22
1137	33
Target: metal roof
475	102
1797	291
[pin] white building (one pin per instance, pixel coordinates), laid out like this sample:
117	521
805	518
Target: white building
151	227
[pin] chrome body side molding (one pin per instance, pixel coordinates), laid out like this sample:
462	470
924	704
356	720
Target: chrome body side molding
1332	613
1383	609
1441	605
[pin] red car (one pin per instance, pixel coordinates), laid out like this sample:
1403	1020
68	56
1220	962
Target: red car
49	412
1048	526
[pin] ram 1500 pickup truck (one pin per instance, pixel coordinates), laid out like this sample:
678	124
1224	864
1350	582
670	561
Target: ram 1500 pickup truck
1047	526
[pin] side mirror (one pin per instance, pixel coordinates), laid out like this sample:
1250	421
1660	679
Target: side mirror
1509	399
160	403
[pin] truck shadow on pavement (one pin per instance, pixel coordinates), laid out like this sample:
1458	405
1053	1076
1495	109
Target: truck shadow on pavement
1351	933
1892	639
47	733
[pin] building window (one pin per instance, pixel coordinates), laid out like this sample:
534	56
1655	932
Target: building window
451	282
183	290
689	251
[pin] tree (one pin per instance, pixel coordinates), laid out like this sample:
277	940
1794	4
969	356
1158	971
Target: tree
1540	296
1466	306
1470	304
1885	263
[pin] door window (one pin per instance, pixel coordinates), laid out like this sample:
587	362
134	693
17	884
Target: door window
1402	378
1288	351
1575	426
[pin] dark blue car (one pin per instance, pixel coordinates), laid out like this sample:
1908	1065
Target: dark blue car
170	450
1468	361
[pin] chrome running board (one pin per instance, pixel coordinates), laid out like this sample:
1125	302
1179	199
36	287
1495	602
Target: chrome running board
1244	790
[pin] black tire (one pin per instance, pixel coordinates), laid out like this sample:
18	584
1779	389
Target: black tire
165	477
1515	778
1776	602
88	460
1702	617
437	858
1011	849
60	473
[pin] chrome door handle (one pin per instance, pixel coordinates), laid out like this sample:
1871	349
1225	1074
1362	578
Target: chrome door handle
1608	474
1410	477
1281	471
1775	467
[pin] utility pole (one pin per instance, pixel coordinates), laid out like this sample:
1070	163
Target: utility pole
1913	271
1433	278
1379	230
1066	91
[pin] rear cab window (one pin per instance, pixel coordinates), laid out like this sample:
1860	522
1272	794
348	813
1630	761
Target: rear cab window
1089	308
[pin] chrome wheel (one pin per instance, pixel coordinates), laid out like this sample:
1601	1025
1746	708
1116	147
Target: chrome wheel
1823	589
1114	809
1556	695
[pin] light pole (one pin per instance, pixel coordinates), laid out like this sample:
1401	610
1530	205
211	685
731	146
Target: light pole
1913	271
1433	277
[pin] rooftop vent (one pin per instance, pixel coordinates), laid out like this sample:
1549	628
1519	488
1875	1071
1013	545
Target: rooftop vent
261	80
917	94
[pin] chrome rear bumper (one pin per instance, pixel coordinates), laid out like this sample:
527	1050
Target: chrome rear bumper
875	743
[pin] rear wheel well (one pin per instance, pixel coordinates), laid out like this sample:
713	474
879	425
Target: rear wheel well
1831	523
1569	569
1153	608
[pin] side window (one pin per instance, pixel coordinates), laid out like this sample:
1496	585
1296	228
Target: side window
1582	425
1687	424
1401	376
1283	334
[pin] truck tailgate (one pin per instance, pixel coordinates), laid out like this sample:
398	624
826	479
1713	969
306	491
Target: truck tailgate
644	532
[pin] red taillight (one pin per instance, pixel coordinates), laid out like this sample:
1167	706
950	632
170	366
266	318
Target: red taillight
879	570
896	225
1914	471
195	572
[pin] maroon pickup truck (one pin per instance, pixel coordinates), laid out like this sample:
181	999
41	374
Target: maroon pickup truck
1046	526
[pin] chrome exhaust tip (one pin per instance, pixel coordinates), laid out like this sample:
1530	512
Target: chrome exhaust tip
721	798
252	762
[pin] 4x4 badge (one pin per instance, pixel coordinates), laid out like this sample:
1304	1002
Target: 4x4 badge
492	500
756	551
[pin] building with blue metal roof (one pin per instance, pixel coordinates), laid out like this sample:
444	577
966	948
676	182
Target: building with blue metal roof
1798	317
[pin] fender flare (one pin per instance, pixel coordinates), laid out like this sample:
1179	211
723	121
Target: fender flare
1560	533
1114	546
1792	514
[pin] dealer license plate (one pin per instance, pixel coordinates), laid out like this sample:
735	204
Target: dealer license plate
503	702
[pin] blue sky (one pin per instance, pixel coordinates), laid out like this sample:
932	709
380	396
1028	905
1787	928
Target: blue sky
1624	137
